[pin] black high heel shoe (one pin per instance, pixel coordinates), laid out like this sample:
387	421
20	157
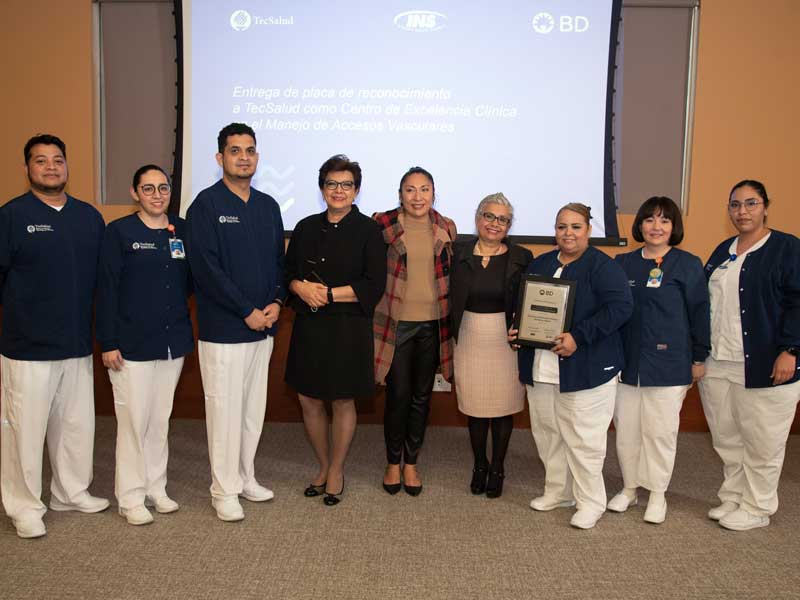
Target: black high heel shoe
494	487
478	484
333	499
312	491
392	488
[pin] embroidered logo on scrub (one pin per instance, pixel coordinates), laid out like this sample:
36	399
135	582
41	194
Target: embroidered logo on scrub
231	219
144	246
39	228
661	346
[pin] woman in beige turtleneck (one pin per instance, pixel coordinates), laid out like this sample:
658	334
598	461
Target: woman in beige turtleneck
412	336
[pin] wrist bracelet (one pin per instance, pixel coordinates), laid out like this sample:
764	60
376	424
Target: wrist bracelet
330	295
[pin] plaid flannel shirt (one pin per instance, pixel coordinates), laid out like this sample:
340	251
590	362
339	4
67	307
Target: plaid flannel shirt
388	309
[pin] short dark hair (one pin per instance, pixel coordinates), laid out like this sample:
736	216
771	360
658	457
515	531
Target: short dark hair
340	162
666	207
233	129
44	138
756	185
137	177
415	171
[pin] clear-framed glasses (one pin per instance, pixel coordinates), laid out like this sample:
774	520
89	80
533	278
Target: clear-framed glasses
148	189
748	204
491	218
331	185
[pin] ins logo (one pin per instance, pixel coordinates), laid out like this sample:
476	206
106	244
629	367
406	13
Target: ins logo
420	21
240	20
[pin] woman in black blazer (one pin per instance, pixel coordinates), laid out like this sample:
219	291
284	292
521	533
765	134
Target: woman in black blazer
483	292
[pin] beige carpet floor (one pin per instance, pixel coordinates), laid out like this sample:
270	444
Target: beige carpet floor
443	544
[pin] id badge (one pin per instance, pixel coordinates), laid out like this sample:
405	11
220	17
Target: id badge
176	248
654	278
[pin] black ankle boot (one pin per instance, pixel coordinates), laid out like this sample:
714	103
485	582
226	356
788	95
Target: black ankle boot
494	487
478	484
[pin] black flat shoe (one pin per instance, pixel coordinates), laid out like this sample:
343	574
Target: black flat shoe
392	488
478	484
312	491
494	487
413	490
333	499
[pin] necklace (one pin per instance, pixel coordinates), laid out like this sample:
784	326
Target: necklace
486	257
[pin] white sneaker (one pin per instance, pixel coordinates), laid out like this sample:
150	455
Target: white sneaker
622	502
656	511
742	520
228	509
715	514
585	518
546	503
163	504
31	528
138	515
85	504
257	493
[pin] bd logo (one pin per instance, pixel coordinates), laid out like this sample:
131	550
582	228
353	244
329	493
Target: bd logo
241	20
545	292
420	21
544	22
30	228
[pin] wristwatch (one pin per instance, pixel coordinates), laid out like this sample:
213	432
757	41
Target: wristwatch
330	295
793	350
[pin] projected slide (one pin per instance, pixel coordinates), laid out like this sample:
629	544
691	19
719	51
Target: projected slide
490	97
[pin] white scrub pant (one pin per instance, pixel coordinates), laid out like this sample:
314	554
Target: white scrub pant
143	394
52	399
749	428
235	385
570	430
647	421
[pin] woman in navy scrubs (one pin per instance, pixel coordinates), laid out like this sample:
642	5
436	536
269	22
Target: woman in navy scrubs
571	387
144	330
751	387
666	342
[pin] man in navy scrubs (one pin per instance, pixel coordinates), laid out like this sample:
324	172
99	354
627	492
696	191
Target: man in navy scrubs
236	252
49	246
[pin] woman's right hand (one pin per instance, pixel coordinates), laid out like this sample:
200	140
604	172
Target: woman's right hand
312	293
113	360
512	337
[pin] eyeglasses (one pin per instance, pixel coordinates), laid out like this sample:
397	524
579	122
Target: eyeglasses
748	204
491	218
346	186
148	189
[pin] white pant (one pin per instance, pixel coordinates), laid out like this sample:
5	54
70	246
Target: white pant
647	421
51	399
570	430
235	385
143	394
749	428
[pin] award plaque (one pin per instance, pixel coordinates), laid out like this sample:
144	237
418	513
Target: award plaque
544	310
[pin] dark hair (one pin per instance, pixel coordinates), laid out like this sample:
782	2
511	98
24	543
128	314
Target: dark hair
581	209
137	177
44	138
756	185
233	129
666	207
415	171
340	162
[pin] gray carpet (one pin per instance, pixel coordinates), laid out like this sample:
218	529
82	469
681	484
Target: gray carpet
443	544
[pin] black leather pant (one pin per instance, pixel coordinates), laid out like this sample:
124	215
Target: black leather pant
408	389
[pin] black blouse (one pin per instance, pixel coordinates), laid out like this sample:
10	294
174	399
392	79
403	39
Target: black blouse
351	252
488	287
